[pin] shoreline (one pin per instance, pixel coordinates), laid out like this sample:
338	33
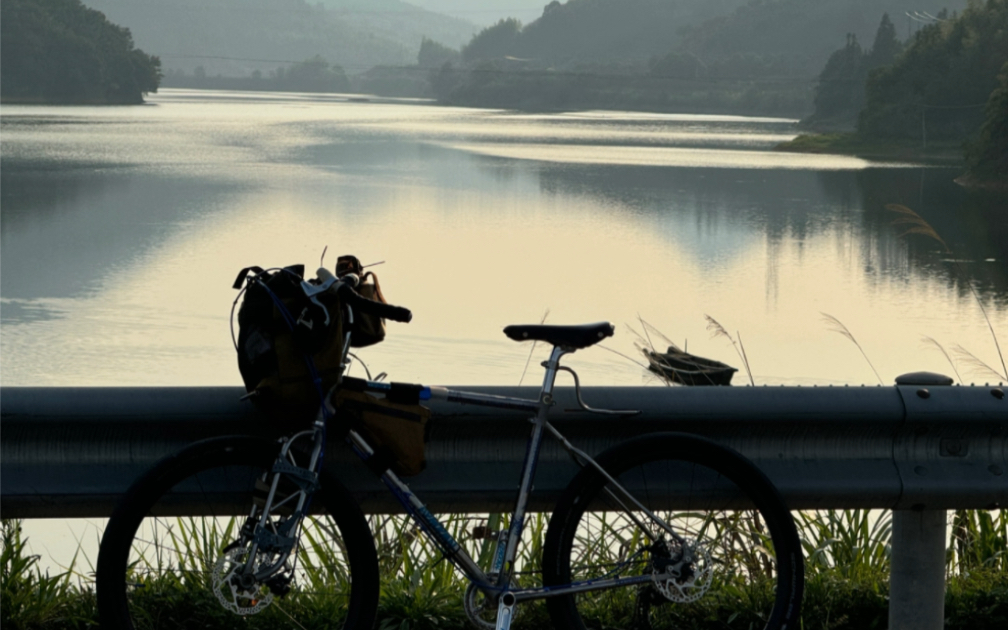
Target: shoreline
38	100
944	154
848	143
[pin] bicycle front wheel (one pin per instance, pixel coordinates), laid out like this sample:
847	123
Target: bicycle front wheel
703	530
169	556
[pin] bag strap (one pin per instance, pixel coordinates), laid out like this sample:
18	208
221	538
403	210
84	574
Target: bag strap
377	287
297	270
240	280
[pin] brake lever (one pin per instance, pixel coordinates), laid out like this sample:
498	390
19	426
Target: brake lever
312	291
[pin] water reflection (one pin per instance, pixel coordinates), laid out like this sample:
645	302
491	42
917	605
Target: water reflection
122	230
63	230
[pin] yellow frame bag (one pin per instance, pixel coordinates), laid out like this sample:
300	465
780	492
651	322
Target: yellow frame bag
394	425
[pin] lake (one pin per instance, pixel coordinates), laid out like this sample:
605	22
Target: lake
123	229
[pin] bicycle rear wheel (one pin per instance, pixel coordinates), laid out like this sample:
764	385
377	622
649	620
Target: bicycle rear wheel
738	561
167	561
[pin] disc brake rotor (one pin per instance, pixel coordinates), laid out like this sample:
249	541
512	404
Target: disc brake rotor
687	588
239	599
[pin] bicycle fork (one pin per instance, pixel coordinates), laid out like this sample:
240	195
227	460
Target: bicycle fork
283	541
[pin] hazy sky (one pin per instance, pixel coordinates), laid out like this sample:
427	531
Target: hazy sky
484	12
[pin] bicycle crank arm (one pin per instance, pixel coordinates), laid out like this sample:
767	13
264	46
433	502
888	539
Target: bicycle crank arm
505	611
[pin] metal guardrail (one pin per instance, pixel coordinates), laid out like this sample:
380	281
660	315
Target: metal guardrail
919	450
71	452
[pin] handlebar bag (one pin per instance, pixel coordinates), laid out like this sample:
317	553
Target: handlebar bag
397	431
278	328
367	329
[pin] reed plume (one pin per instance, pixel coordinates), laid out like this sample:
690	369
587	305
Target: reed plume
717	330
919	226
837	326
941	349
975	362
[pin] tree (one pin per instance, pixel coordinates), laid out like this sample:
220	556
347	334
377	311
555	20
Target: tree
886	46
840	92
434	55
677	65
60	51
494	42
314	75
941	80
987	155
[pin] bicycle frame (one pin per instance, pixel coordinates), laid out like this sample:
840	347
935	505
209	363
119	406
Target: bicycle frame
497	581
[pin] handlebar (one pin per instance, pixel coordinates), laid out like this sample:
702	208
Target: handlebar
373	307
366	305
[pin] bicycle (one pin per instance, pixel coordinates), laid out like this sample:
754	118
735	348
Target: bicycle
642	531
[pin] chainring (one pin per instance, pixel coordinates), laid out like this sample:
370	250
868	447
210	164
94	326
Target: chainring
481	611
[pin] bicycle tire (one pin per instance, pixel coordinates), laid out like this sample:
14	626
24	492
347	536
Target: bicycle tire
698	486
146	579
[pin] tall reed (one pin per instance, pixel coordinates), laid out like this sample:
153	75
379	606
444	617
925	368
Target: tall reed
838	327
918	226
717	330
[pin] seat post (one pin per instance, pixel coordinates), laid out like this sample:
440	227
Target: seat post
552	365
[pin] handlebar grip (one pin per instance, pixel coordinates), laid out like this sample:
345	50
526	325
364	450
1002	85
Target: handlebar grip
386	311
373	307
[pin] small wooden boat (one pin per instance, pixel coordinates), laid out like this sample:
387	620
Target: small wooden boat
687	369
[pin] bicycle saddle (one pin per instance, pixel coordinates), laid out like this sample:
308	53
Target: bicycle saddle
575	337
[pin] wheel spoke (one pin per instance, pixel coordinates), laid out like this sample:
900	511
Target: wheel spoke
174	556
724	542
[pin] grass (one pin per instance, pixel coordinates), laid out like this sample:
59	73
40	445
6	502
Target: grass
847	558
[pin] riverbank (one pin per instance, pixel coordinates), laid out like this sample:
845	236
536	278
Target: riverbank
937	153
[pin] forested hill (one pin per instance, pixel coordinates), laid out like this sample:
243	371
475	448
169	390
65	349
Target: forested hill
719	56
59	51
237	37
402	22
803	33
950	84
794	36
605	31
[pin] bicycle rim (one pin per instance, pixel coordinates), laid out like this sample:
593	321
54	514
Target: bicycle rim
739	561
165	558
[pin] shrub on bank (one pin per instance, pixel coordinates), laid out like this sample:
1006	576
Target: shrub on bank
846	583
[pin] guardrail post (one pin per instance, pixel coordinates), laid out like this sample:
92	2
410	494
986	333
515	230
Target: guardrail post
917	577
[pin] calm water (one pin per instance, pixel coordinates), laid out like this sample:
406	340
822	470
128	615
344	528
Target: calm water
123	229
